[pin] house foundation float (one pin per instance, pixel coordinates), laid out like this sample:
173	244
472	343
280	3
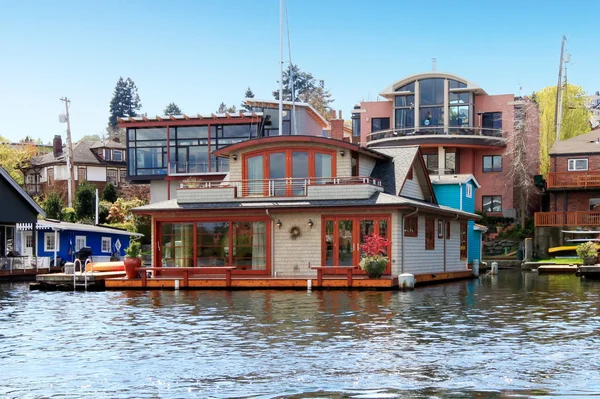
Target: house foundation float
293	211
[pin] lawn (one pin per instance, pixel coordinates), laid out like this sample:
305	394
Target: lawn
561	261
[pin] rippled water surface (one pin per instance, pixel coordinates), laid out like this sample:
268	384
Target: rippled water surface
513	335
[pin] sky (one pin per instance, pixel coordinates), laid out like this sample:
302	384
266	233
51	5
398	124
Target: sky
204	52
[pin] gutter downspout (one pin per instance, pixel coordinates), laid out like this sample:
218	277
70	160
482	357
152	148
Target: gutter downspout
403	224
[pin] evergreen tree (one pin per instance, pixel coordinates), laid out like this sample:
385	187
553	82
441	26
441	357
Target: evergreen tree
85	201
306	89
125	101
172	109
109	193
248	94
222	108
232	109
53	206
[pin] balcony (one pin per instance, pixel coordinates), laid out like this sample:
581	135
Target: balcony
573	180
322	188
472	134
567	219
216	166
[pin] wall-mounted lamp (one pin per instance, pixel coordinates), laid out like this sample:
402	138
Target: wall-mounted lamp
279	224
310	223
234	157
342	153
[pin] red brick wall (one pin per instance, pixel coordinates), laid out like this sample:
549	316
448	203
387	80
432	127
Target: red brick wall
560	163
576	200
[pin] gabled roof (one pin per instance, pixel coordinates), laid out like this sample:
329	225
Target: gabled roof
587	143
454	179
82	154
34	205
288	105
108	144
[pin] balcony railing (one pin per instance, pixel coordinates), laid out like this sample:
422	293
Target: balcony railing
584	179
567	219
287	187
435	130
219	165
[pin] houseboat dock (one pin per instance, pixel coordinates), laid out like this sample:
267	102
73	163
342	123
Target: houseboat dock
64	281
591	272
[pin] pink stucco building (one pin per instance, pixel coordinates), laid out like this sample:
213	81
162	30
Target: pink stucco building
460	128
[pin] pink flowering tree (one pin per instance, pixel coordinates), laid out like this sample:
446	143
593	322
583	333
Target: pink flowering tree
374	255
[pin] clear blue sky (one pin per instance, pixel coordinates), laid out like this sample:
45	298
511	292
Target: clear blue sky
200	53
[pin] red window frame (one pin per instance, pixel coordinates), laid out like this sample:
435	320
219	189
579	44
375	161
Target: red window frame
266	152
411	226
429	233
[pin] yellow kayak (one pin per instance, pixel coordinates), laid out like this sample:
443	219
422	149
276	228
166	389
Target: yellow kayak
563	248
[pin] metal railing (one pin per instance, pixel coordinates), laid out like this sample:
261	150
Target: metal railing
435	130
13	263
286	187
574	219
573	179
190	168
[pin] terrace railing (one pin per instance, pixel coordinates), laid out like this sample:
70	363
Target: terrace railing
567	219
585	179
435	130
192	168
286	187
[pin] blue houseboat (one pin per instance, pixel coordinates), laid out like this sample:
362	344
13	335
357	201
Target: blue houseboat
458	191
64	240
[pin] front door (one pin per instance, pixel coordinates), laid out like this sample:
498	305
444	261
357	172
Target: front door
344	235
27	240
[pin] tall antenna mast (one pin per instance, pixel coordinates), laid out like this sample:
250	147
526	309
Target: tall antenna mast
558	109
280	67
287	25
433	64
71	183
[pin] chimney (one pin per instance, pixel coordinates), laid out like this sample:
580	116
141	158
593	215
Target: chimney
57	145
337	127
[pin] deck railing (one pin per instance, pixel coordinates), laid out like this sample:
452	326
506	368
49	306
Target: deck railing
565	219
435	130
584	179
287	187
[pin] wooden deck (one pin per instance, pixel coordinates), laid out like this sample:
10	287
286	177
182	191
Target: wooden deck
567	219
574	180
218	281
27	274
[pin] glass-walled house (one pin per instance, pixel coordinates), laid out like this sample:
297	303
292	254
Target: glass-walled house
460	128
164	150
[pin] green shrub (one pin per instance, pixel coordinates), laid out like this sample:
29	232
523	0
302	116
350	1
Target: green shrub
69	215
85	201
587	250
53	206
109	193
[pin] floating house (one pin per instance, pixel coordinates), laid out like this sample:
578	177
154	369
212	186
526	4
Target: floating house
63	240
17	207
293	207
459	191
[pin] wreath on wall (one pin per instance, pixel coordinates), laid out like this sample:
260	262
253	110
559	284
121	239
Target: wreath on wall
294	232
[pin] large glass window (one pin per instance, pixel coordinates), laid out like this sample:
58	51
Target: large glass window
492	163
299	172
432	92
492	203
250	245
177	244
255	175
431	162
491	123
431	117
378	124
404	119
212	244
277	173
323	163
355	125
147	151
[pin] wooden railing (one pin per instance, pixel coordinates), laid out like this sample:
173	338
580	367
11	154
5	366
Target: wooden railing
564	219
584	179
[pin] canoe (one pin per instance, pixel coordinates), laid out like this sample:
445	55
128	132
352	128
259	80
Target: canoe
105	267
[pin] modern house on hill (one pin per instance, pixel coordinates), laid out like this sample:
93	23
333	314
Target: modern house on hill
289	204
98	162
460	128
164	150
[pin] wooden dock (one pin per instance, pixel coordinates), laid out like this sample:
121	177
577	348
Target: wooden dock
27	274
570	269
64	282
590	272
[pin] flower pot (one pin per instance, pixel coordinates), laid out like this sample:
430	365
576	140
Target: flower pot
130	265
373	274
589	260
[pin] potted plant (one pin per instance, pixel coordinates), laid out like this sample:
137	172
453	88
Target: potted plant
133	259
588	251
374	259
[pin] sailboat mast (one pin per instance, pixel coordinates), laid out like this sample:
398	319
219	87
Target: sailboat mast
280	67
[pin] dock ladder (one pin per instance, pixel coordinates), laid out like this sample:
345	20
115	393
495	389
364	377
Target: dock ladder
82	273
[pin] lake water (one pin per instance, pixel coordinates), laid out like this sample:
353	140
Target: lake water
513	335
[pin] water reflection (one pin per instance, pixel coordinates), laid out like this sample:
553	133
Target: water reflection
515	334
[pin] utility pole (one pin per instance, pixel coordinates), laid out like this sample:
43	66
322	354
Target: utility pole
559	96
70	166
